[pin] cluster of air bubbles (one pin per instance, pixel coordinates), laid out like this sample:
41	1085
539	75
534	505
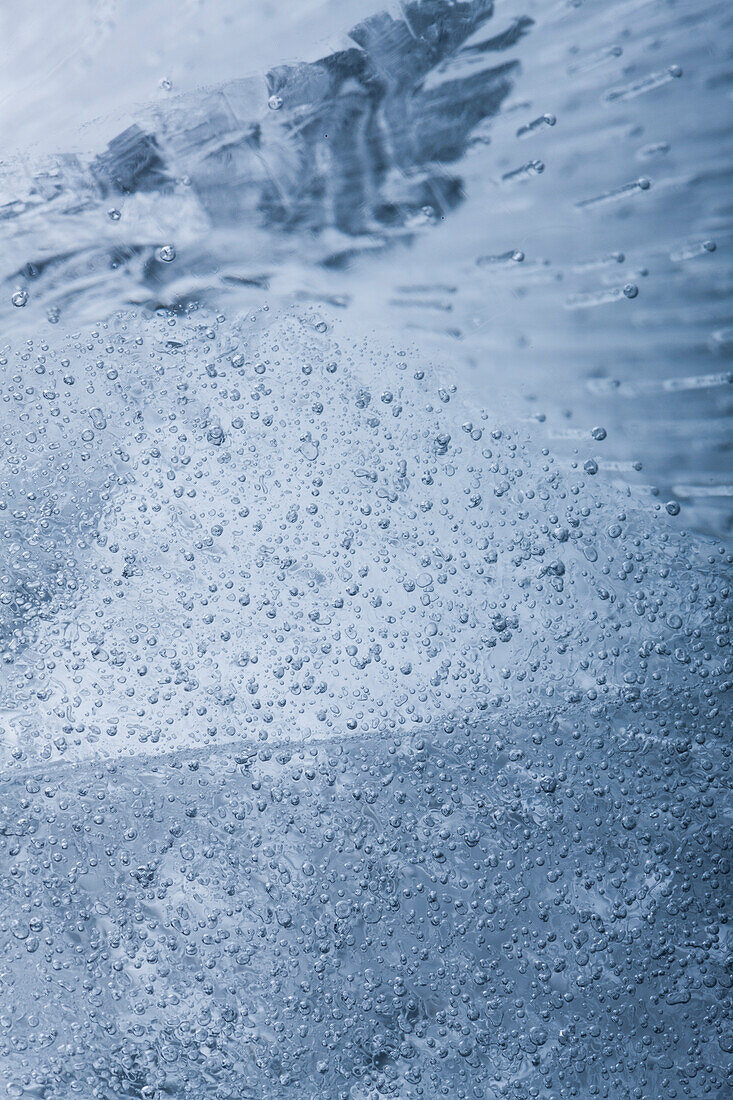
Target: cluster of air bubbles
385	758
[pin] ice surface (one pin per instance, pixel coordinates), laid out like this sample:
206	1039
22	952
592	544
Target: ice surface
365	664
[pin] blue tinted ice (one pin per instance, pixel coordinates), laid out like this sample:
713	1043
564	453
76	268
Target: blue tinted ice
365	560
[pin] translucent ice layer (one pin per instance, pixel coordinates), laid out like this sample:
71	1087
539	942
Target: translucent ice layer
365	579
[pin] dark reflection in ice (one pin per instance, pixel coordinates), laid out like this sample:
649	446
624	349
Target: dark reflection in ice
359	142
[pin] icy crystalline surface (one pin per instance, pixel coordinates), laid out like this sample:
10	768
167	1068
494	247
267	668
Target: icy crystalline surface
364	699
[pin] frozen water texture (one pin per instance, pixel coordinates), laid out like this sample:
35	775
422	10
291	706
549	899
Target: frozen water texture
365	569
